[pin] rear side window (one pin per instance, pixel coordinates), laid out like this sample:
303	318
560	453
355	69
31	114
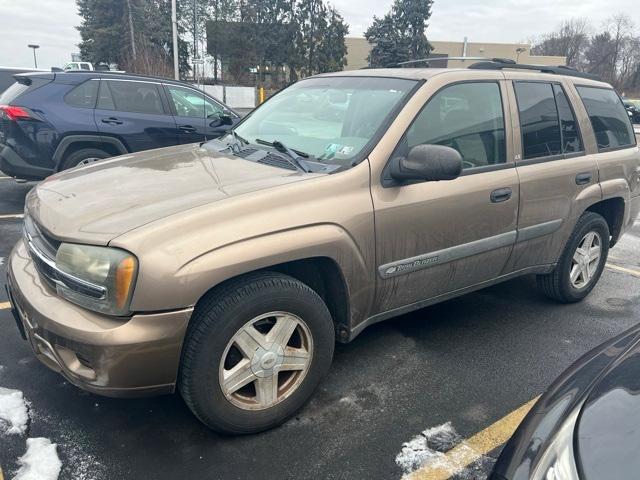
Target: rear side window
139	97
569	130
609	118
467	117
539	122
84	95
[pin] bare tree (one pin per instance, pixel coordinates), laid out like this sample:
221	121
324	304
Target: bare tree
570	40
612	52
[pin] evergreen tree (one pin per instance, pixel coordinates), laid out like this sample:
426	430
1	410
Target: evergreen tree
399	36
103	30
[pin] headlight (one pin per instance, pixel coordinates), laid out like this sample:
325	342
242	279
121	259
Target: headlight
558	461
105	277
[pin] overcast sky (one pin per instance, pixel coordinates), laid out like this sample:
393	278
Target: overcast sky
51	23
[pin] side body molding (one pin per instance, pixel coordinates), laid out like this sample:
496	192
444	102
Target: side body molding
457	252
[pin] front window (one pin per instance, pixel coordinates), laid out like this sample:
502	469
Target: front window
467	117
326	120
189	103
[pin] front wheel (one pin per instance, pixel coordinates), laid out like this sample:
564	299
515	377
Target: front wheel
255	352
581	262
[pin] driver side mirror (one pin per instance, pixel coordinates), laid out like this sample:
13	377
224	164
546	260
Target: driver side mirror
223	119
427	163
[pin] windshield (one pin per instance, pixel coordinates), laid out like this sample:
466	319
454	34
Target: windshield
328	120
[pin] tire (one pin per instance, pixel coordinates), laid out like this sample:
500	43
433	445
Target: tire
82	155
558	284
212	347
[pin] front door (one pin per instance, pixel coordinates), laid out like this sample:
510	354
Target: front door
198	117
433	238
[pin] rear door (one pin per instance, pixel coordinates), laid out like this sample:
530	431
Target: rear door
197	116
135	112
558	178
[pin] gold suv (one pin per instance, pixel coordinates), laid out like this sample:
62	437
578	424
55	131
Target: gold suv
228	270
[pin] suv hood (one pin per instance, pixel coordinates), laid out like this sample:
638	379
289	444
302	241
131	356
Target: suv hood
96	203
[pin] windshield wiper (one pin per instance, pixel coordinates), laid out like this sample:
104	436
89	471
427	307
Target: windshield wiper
293	157
237	137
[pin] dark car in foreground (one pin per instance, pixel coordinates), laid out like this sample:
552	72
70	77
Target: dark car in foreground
52	121
587	425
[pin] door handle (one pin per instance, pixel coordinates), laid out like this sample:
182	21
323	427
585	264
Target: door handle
501	195
583	178
112	121
187	128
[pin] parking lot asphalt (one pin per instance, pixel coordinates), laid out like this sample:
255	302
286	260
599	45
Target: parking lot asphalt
469	361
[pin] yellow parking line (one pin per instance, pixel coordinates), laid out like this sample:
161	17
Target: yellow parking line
4	306
1	475
635	273
473	448
11	215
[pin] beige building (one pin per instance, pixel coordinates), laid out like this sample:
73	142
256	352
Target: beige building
358	49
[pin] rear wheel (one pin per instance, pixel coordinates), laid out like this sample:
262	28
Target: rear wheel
255	352
581	262
84	156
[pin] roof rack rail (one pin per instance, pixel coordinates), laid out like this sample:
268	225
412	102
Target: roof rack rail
501	63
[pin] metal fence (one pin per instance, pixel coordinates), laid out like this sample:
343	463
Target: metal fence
235	97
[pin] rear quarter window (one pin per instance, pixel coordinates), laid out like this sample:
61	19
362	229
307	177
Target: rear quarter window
83	95
609	118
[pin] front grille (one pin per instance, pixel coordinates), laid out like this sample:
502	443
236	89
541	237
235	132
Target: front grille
48	248
45	243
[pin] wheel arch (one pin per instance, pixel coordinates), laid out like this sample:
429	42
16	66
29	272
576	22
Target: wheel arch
73	143
322	275
613	210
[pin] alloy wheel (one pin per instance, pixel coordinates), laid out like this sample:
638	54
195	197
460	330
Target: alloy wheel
586	260
266	361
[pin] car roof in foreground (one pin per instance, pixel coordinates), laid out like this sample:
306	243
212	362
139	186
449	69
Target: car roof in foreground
427	73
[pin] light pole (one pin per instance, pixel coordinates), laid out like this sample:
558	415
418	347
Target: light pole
35	61
519	50
174	27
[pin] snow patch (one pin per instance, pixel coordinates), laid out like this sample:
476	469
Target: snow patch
40	462
14	416
429	450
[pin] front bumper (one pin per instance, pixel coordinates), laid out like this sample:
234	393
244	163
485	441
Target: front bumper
117	357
